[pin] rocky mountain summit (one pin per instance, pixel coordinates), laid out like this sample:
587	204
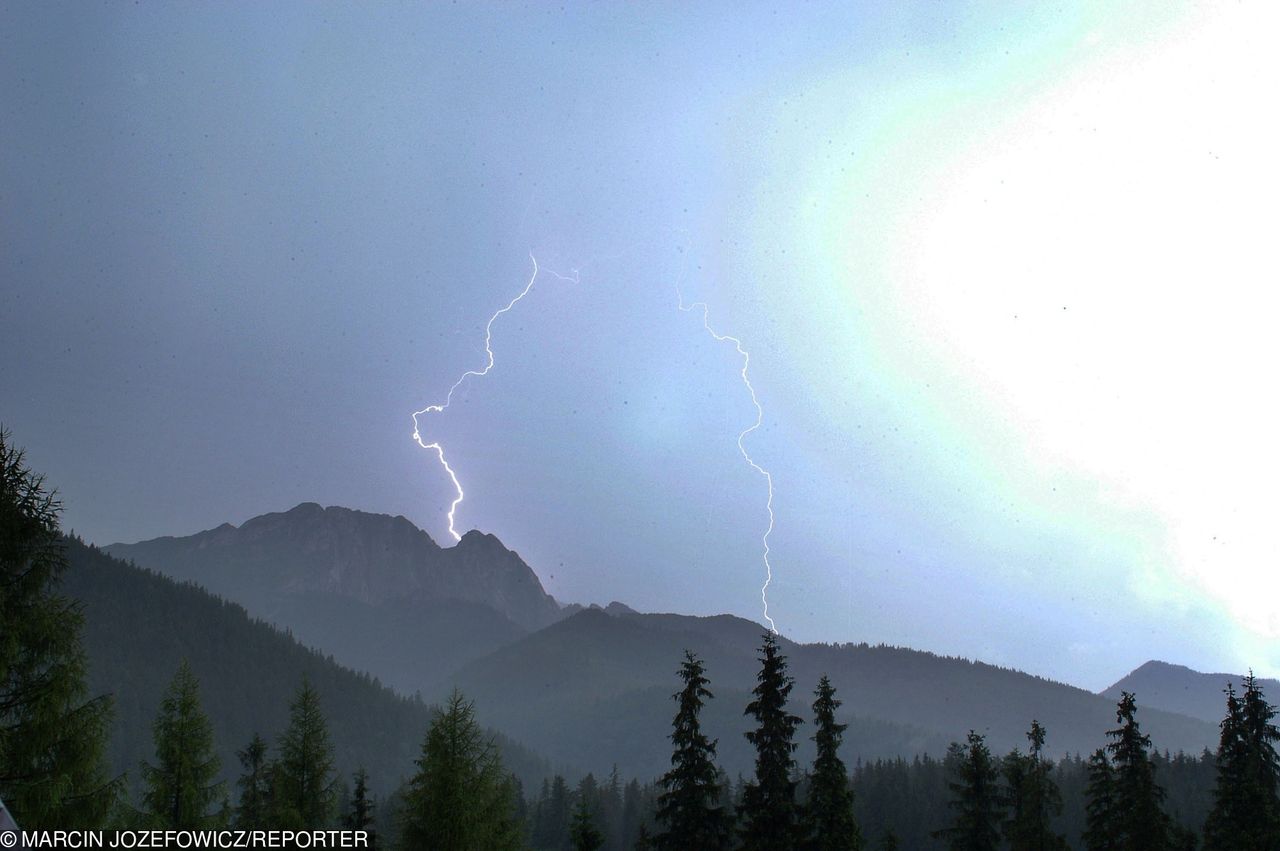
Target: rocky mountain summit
373	559
373	590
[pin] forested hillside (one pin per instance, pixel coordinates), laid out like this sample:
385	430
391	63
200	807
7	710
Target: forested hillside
599	677
139	626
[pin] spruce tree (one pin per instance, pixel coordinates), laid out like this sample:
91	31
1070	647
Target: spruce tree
52	736
689	807
583	833
975	797
255	785
1014	768
1139	823
1032	797
1100	804
768	811
360	816
1224	827
305	785
461	798
182	787
1262	771
828	813
1246	810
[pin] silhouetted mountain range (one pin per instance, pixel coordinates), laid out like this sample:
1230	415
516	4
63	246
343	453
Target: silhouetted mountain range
1177	688
373	590
587	686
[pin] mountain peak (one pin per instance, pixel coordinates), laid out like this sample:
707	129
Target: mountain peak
1180	689
476	538
1157	665
372	558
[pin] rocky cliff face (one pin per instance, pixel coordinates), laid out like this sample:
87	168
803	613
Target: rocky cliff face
374	559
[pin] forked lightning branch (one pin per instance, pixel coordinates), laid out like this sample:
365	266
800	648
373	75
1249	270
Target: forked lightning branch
435	446
460	494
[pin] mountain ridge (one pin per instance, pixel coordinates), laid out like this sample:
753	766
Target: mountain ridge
597	676
588	683
1178	688
372	589
372	558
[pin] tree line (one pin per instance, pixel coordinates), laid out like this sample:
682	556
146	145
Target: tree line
460	796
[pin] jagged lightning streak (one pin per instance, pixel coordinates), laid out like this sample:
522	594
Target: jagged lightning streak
768	477
448	399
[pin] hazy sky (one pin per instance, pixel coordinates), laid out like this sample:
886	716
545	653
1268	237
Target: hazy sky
1006	274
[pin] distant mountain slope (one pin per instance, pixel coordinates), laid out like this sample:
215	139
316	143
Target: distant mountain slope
592	687
374	590
596	688
1177	688
139	626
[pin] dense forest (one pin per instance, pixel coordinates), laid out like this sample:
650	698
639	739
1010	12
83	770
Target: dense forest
305	743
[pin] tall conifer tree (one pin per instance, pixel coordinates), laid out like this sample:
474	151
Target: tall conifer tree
305	787
1033	798
182	786
461	798
1100	804
360	816
52	736
1246	811
689	807
975	797
254	784
829	817
583	833
768	811
1139	823
1263	768
1224	827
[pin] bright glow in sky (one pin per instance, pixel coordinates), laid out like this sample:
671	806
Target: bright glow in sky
1064	258
1102	268
1005	273
1097	269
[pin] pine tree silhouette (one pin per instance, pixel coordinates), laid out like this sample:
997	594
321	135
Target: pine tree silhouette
828	813
768	812
689	807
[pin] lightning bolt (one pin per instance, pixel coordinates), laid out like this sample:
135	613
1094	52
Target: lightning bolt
460	494
480	373
742	436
